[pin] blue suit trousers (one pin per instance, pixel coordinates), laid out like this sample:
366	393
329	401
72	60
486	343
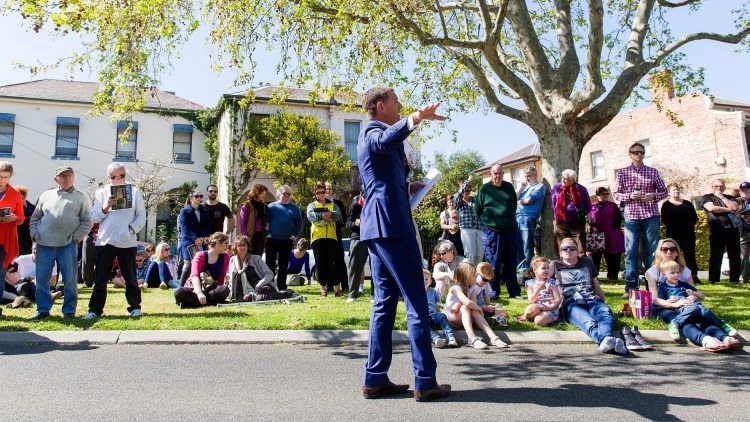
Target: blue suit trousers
396	268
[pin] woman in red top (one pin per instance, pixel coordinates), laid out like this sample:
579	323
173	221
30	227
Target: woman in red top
11	215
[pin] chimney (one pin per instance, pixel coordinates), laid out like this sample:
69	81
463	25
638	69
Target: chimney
662	86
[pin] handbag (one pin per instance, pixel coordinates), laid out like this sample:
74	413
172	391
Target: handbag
595	241
640	303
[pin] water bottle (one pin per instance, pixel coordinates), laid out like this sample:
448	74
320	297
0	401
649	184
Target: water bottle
501	315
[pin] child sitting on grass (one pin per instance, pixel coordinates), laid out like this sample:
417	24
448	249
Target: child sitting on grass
698	323
437	317
543	293
481	292
463	312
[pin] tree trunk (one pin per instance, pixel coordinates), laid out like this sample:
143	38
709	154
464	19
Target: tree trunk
560	150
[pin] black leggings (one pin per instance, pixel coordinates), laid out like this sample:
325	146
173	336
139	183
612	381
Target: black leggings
186	297
326	260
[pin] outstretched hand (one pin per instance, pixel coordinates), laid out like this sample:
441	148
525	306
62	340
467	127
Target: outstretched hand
428	112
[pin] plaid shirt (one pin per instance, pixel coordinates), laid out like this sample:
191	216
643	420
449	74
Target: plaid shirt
467	218
648	180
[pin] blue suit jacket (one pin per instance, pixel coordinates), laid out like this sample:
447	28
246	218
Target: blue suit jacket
191	228
382	166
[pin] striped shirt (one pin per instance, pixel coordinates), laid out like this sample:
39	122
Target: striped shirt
647	180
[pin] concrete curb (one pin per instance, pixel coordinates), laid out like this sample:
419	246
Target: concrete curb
330	337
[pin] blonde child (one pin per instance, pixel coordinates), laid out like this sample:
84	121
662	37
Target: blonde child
462	311
543	293
481	292
689	315
437	317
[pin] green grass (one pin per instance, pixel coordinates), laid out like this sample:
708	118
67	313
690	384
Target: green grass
161	313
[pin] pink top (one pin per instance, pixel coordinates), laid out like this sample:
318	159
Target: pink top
199	264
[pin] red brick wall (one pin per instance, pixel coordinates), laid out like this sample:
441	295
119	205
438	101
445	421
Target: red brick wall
687	155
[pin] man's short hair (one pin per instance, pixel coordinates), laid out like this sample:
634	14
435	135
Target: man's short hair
212	186
116	166
373	96
529	170
637	144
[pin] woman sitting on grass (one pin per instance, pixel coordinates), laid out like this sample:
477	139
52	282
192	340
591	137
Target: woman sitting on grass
544	295
443	270
159	274
248	273
462	312
206	282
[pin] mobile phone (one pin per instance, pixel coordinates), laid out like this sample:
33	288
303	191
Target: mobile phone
4	211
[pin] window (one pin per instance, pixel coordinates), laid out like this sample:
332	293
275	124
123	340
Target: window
7	127
647	147
125	149
516	177
351	135
182	145
747	135
597	165
66	143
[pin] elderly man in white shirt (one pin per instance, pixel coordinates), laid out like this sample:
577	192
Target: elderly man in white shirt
120	211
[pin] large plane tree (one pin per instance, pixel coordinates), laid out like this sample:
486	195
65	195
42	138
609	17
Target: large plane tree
563	67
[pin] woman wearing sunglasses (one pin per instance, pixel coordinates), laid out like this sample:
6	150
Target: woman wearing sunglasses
194	225
583	299
443	270
667	250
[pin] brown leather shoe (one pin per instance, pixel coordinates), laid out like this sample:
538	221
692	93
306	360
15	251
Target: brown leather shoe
389	389
438	392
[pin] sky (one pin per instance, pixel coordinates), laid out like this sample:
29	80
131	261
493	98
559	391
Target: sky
492	135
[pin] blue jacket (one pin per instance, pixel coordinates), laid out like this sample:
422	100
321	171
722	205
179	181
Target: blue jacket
384	171
190	228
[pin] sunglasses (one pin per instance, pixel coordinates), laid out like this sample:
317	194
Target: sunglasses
604	194
320	192
444	253
117	176
669	249
138	260
569	248
637	152
213	191
197	196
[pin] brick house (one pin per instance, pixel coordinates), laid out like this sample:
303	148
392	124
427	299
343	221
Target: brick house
712	144
514	163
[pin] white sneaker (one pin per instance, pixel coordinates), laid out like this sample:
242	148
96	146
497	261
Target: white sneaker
477	343
607	344
163	286
350	300
136	313
620	347
90	316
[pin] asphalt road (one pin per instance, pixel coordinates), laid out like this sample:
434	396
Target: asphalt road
312	382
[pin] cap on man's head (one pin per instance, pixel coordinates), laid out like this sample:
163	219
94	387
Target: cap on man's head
745	185
62	169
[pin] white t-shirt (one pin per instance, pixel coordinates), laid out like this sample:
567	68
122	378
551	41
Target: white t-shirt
27	267
451	299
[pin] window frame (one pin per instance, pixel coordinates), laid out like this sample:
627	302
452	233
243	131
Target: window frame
65	123
7	121
350	145
132	138
602	174
182	129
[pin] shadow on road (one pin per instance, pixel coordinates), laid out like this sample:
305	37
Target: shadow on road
34	343
647	405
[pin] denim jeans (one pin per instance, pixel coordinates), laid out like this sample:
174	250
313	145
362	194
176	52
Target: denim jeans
500	253
67	259
526	227
439	318
595	319
649	227
695	320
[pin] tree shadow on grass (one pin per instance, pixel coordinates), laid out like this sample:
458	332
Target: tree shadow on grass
652	406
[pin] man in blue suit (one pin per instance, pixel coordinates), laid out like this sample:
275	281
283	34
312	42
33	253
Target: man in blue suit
386	226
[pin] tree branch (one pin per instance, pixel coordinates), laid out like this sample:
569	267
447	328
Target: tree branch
485	17
428	39
665	3
493	37
725	38
567	72
536	60
639	29
593	87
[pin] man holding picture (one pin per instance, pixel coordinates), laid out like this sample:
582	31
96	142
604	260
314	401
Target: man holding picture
121	214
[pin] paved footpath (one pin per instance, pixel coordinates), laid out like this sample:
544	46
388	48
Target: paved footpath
320	382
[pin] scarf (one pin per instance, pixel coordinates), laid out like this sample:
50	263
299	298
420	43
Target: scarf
571	191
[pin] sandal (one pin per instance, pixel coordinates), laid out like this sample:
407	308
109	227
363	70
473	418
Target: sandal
477	343
712	344
499	343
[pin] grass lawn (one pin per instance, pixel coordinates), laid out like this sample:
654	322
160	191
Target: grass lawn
726	300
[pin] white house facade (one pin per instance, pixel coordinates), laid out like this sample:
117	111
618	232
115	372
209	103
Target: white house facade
45	124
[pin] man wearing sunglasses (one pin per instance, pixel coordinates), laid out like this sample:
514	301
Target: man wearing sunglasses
120	219
724	234
639	188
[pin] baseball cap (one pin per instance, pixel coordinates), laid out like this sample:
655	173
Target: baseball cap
745	185
62	169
